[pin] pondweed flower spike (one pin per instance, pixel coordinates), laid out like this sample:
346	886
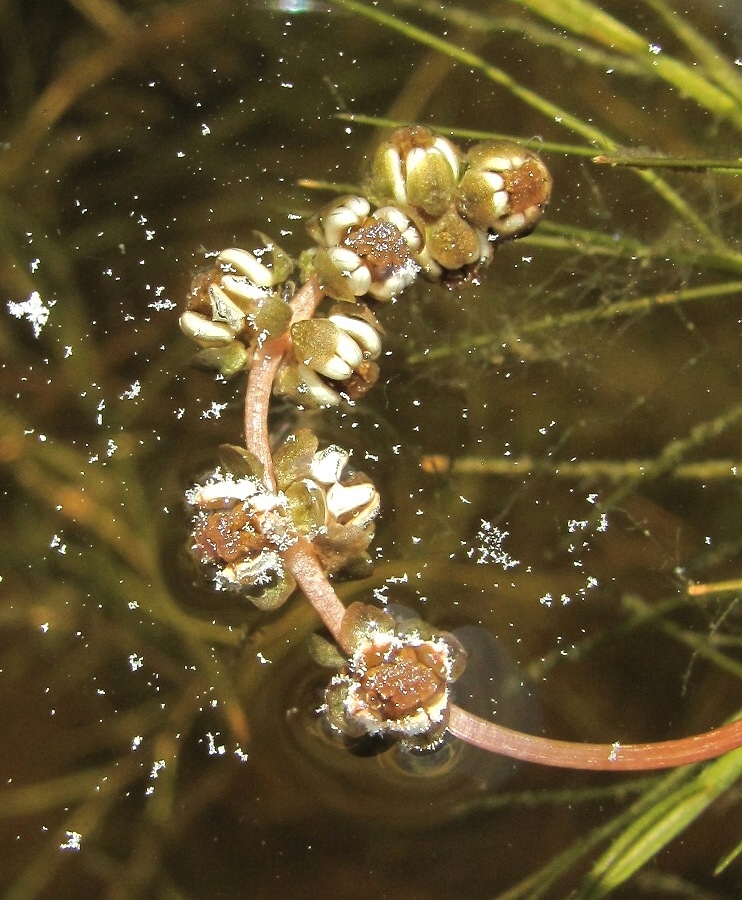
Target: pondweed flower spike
272	518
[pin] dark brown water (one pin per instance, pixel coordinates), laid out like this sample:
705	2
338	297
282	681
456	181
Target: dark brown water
160	740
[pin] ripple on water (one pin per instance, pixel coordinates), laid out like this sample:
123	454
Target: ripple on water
376	780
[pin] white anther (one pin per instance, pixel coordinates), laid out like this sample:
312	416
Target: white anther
501	202
495	181
342	217
447	149
485	246
343	500
335	368
246	263
243	287
348	350
393	215
314	388
398	281
512	225
503	163
430	268
414	158
257	570
224	492
365	335
351	266
327	465
394	165
344	259
204	331
360	281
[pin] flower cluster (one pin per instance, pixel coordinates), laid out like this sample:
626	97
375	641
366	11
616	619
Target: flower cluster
270	518
240	528
333	358
234	307
430	210
362	253
438	213
397	679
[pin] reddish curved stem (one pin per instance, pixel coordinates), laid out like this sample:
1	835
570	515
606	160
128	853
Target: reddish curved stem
299	558
613	757
257	397
260	380
310	577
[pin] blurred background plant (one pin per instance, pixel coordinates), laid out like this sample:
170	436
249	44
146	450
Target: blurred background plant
557	450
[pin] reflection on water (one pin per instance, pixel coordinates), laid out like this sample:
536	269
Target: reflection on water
161	740
290	6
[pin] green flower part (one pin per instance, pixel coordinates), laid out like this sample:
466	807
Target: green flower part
453	244
333	358
415	168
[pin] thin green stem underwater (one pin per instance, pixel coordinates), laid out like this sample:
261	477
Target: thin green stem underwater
598	313
557	114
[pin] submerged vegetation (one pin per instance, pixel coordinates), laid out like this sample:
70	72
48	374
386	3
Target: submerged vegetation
564	494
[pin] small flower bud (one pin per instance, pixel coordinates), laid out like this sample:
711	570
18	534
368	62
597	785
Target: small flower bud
238	531
504	189
417	168
386	256
234	300
362	254
340	348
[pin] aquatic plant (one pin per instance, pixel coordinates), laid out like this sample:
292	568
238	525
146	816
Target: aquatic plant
273	519
576	406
